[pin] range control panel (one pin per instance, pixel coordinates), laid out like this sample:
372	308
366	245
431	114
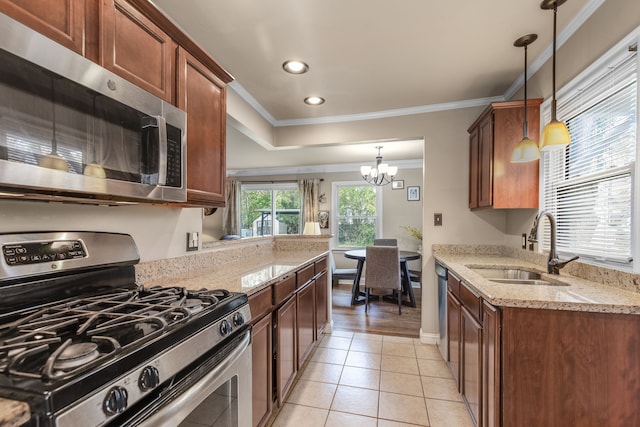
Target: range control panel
38	252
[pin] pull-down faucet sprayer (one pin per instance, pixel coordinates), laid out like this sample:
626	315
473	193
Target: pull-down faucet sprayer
553	262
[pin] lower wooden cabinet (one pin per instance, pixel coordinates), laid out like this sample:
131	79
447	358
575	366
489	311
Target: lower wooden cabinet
453	335
491	365
306	325
287	318
262	370
322	303
471	364
473	328
570	368
285	335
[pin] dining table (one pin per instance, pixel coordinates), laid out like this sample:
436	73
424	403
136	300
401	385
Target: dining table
361	255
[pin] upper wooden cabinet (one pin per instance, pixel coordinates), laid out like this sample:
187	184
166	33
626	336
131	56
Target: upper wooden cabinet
60	20
203	96
493	180
135	48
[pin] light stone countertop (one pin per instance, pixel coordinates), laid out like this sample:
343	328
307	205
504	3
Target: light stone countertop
580	294
244	275
13	413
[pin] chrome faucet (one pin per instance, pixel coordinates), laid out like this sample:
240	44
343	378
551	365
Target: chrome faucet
553	262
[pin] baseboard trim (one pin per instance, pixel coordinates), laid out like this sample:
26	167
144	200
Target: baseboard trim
429	338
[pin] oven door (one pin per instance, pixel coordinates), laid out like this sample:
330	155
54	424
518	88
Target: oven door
215	392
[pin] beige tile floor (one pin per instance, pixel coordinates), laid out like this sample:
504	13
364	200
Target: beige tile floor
355	379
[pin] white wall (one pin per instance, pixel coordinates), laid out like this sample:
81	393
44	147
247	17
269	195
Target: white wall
159	232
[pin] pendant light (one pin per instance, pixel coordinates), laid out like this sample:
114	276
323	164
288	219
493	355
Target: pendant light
526	150
555	133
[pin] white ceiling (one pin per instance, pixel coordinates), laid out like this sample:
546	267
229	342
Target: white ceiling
366	56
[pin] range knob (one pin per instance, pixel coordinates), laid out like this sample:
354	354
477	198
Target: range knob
116	401
149	378
238	319
225	327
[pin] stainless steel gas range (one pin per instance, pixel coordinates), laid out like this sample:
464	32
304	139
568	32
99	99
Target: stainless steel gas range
83	345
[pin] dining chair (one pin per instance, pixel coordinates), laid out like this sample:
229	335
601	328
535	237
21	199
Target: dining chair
383	272
385	242
338	274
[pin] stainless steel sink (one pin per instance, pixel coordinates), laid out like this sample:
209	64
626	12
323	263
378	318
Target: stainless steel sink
514	276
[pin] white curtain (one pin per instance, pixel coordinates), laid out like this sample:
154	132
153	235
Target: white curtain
231	213
309	193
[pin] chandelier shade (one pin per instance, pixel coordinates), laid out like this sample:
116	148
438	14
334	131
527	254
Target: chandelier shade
380	174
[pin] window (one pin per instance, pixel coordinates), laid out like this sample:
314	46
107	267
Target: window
589	185
357	208
269	209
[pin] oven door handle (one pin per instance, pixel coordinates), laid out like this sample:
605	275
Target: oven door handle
183	404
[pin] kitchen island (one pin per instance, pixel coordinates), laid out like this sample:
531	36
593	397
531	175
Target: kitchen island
563	353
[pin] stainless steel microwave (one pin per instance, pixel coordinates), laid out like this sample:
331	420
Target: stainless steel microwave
71	128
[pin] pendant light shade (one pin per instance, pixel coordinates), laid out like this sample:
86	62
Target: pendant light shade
526	150
555	134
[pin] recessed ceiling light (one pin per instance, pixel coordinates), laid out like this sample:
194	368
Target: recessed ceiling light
314	100
295	67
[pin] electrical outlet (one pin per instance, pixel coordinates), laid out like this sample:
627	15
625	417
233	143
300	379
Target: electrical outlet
437	219
192	241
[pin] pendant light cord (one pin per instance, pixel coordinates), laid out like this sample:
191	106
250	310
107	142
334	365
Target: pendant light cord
553	66
525	125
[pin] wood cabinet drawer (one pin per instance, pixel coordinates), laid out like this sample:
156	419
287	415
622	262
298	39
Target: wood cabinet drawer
453	284
321	265
471	300
305	274
283	290
260	303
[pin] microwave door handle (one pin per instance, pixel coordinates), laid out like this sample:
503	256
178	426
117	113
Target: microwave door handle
162	150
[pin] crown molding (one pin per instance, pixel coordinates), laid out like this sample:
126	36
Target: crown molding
318	169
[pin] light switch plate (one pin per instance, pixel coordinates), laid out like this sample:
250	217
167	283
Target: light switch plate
437	219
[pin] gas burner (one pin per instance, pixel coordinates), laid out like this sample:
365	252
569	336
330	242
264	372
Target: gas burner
76	355
193	305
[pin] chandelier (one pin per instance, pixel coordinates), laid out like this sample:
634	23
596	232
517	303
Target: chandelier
380	174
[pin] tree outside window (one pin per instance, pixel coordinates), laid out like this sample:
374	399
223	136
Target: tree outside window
357	215
269	209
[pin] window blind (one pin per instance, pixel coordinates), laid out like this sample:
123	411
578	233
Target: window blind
588	185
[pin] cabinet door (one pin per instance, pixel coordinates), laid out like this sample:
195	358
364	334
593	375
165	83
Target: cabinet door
453	335
474	146
286	363
471	365
485	153
322	303
306	303
203	96
59	20
262	370
136	49
491	366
